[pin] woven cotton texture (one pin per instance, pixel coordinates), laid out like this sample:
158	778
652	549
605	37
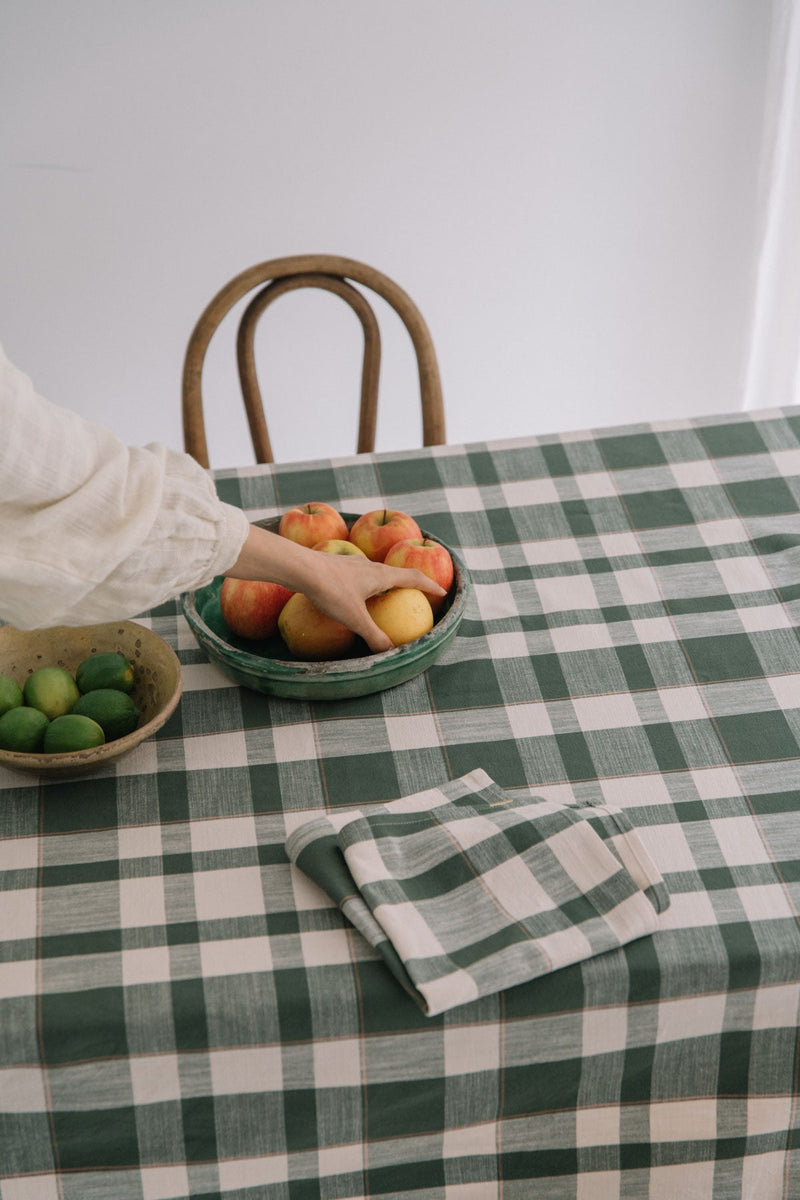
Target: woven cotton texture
466	891
185	1013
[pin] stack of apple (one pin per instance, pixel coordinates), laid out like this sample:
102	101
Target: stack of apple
256	610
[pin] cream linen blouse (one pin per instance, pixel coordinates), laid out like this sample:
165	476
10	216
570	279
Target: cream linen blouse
93	530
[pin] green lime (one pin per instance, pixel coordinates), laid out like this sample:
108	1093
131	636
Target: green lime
107	670
10	694
72	732
52	690
22	729
114	711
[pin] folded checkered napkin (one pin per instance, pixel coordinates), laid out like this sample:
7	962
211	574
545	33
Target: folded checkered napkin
466	891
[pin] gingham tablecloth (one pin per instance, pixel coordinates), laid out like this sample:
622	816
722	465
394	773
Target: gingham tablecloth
185	1013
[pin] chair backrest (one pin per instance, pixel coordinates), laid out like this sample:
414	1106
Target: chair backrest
275	278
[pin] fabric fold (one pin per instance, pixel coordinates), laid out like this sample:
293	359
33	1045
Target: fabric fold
465	890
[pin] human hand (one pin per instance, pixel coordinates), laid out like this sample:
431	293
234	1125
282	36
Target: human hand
344	582
339	584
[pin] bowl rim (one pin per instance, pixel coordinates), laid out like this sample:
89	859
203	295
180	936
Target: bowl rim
335	670
44	763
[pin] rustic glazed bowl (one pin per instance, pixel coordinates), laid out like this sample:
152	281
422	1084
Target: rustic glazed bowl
268	666
156	690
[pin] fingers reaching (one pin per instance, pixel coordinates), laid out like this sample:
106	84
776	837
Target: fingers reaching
338	584
410	577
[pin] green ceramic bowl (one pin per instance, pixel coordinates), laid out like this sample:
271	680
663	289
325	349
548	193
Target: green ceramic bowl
268	666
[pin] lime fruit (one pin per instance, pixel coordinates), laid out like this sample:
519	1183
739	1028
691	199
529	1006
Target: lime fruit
72	732
114	711
52	690
10	694
107	670
22	729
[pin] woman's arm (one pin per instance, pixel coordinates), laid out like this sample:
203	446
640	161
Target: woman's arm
93	530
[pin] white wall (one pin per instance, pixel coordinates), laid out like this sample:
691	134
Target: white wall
569	191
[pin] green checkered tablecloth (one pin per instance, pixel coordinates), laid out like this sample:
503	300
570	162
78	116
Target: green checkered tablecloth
184	1012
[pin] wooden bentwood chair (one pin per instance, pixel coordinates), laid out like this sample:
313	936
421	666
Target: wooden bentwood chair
279	275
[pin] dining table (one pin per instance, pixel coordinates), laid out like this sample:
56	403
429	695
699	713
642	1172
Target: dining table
186	1011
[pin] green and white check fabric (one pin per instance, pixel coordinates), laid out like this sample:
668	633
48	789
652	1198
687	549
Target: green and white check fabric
466	891
184	1013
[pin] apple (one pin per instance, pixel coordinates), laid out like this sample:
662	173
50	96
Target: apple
251	607
338	546
403	613
428	556
310	633
312	523
376	531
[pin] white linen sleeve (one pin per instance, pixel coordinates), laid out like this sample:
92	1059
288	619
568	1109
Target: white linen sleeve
93	530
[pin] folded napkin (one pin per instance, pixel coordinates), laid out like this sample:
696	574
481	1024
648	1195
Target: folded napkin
466	891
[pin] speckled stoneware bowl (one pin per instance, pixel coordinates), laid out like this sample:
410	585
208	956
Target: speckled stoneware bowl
156	690
269	667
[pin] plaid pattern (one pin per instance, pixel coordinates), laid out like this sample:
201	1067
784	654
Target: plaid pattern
465	891
183	1013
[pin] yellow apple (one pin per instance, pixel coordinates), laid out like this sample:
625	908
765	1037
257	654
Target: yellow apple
428	556
338	546
403	613
310	633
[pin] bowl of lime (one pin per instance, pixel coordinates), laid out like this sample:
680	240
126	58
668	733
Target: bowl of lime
75	698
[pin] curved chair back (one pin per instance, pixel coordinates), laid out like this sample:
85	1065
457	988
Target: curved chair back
273	279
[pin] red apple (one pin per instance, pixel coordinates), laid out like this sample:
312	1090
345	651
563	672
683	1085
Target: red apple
430	557
312	523
310	633
338	546
375	532
251	607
